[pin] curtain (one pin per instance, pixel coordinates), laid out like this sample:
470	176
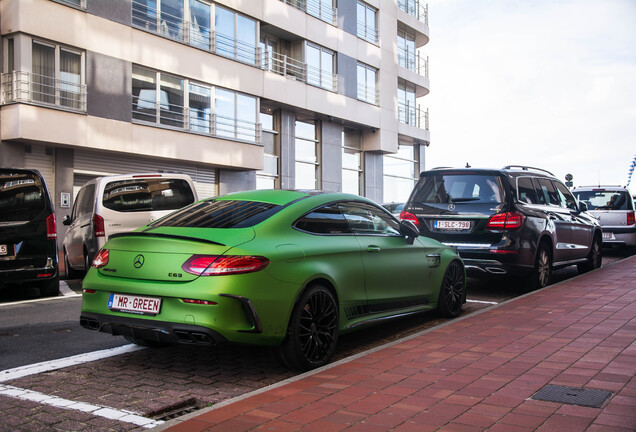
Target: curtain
43	71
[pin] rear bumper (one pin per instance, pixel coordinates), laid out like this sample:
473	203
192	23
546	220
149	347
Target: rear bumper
482	260
29	274
157	331
619	236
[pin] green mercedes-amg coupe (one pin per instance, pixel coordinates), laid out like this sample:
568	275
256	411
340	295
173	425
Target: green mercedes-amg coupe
287	269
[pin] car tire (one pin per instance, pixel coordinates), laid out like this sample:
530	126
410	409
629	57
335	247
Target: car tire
87	262
452	291
70	272
50	288
594	258
145	342
313	331
542	272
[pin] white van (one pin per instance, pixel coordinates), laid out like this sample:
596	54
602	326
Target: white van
109	205
613	206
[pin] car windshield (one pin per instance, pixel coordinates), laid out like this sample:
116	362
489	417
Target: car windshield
21	197
219	214
458	188
602	199
146	194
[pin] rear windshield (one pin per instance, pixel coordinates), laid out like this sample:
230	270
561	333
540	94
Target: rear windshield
605	199
22	197
458	188
219	214
146	194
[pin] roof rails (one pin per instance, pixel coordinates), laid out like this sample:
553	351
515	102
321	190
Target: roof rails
527	168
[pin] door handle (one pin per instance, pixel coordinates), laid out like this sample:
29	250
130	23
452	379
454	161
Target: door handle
373	249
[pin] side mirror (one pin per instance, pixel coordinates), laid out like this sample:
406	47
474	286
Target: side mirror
66	220
582	207
409	230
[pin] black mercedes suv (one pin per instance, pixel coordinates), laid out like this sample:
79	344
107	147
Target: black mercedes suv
518	221
28	235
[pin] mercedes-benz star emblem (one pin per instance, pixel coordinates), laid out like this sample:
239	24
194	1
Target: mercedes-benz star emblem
451	207
139	261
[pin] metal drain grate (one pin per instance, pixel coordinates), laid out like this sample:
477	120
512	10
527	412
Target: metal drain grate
176	410
573	396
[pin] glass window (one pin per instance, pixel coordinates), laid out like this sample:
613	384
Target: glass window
547	193
526	191
366	219
400	173
56	75
144	14
235	115
565	196
321	9
602	199
246	39
406	50
407	112
306	149
144	94
366	22
366	83
320	70
224	109
70	76
351	162
200	13
324	220
200	107
43	69
459	188
235	35
147	194
246	117
21	197
171	100
219	214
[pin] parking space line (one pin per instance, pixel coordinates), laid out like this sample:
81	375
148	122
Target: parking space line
36	368
482	301
66	291
96	410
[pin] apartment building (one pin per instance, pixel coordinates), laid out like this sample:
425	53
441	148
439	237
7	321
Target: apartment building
240	94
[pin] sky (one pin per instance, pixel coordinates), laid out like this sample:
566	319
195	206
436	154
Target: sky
543	83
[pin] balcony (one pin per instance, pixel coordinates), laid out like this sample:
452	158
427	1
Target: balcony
315	8
413	116
194	120
26	87
415	9
413	62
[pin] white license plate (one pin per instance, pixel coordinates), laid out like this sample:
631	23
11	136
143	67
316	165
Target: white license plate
451	225
3	249
608	236
134	304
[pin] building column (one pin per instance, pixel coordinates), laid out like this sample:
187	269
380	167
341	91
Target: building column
287	149
11	155
373	176
331	156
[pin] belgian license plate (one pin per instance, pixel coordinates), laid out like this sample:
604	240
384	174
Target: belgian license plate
451	225
134	304
3	250
608	236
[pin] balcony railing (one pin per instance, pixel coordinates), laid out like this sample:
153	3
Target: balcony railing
288	66
180	117
414	116
415	9
37	89
315	8
367	33
415	63
369	94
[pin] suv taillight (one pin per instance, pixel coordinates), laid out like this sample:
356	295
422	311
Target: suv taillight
505	221
410	217
51	229
98	225
215	265
631	220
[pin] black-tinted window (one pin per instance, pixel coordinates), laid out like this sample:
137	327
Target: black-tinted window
458	188
324	220
567	200
546	192
219	214
22	197
525	190
367	219
146	194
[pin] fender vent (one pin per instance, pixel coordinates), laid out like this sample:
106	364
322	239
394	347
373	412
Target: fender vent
573	396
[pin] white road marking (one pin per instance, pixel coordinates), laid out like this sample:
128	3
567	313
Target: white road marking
96	410
66	291
36	368
481	301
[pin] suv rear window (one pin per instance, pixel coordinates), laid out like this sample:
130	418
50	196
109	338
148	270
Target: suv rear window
22	197
219	214
458	188
605	199
146	194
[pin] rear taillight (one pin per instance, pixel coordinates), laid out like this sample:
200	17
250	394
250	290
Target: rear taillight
101	259
199	302
98	226
505	221
631	220
217	265
51	230
410	217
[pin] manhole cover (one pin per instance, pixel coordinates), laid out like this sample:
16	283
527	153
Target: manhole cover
573	396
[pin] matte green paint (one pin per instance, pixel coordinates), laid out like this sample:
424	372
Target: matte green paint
399	273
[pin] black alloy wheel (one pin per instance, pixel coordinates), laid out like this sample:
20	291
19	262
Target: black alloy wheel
452	291
542	271
594	258
313	331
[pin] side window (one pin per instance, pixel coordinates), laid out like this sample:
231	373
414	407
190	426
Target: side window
367	219
324	220
550	196
86	205
77	203
525	191
567	200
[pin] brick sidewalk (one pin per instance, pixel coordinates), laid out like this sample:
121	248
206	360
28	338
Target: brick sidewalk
473	374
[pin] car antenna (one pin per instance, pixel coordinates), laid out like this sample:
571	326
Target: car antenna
467	165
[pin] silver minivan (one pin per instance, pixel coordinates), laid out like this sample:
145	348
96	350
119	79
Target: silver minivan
109	205
613	206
